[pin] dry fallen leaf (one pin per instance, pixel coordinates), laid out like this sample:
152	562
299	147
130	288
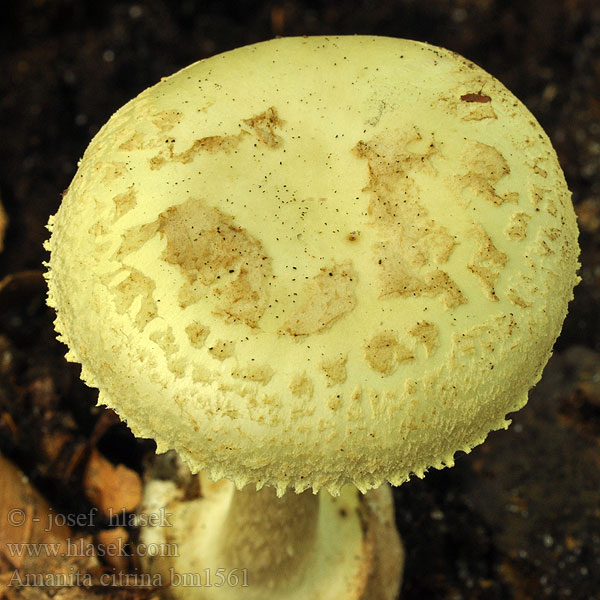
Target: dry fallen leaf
35	543
25	518
113	489
112	546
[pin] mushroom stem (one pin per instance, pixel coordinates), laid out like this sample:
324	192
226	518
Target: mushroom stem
270	536
295	547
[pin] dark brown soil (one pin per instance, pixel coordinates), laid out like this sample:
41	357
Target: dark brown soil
518	518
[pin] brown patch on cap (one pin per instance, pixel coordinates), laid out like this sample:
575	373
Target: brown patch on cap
334	402
383	352
541	199
214	143
517	226
124	202
486	167
325	298
411	244
213	252
258	373
427	334
264	126
135	284
335	369
487	262
167	119
135	141
517	299
109	172
301	386
177	365
197	334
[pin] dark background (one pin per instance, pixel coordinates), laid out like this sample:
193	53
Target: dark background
517	518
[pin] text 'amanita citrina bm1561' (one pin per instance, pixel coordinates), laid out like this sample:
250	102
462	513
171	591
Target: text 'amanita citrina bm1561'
314	262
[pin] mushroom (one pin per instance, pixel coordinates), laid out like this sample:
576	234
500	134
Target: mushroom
316	265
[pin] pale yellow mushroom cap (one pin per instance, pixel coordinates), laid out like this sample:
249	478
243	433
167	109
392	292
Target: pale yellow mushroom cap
316	261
